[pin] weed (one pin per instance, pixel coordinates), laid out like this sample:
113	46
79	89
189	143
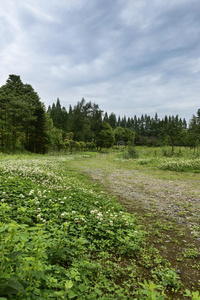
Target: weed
192	295
150	291
191	253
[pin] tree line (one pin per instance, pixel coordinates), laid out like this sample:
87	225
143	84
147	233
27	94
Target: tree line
26	125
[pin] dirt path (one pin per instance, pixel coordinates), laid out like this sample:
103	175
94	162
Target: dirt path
177	200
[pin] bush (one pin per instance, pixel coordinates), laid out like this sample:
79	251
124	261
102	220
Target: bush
130	153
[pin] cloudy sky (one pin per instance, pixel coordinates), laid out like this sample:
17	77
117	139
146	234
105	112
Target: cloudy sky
131	57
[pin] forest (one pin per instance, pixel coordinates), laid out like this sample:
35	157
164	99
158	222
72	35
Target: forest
26	125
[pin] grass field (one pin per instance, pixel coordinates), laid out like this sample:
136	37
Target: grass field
100	226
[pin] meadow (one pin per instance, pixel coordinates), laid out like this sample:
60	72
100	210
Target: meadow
66	235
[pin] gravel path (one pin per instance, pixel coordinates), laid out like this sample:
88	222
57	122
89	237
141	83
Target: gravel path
139	190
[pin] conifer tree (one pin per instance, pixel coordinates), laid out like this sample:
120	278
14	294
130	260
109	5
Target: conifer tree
22	117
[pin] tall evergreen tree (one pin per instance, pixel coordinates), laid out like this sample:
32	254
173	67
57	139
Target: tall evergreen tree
105	118
22	117
194	131
112	120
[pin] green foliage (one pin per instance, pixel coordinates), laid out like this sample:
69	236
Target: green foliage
84	121
191	253
124	134
24	124
55	233
181	165
150	291
106	137
22	118
119	134
130	153
168	277
61	239
192	295
129	136
59	115
193	136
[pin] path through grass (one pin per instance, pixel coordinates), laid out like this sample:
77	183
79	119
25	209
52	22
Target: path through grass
167	203
64	234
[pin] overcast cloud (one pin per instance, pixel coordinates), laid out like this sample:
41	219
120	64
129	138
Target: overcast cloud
131	57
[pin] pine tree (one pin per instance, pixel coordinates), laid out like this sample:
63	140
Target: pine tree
112	120
22	111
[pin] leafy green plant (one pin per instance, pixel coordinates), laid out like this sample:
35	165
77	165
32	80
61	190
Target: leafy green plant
192	295
65	238
130	153
191	253
150	291
181	165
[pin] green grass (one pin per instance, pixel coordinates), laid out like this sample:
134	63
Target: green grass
63	237
184	160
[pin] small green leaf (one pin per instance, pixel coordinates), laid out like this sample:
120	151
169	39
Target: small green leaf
13	255
69	284
16	285
71	294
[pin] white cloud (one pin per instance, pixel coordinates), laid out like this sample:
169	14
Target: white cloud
128	56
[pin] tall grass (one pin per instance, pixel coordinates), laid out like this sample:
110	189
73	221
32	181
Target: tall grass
181	160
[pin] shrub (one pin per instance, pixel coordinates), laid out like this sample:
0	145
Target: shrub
130	153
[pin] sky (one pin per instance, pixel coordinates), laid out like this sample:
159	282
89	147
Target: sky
130	57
